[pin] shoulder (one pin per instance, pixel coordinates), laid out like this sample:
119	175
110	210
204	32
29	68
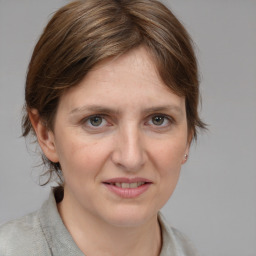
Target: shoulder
184	244
23	236
174	241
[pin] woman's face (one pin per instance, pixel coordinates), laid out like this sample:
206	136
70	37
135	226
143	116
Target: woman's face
120	137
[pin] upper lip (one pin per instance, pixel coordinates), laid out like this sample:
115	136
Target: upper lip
127	180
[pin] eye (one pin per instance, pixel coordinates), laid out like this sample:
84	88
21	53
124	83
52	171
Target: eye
160	120
95	120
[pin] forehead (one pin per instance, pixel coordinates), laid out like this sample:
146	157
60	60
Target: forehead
133	67
129	80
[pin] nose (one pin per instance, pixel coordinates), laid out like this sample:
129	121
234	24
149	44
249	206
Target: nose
129	152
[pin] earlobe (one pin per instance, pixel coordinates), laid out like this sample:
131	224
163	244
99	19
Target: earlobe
45	136
186	154
185	158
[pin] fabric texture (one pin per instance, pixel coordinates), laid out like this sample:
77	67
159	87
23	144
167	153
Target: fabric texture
43	233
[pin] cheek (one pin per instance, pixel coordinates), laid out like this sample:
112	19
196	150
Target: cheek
168	160
80	159
168	156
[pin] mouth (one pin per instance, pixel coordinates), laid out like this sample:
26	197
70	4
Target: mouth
128	188
126	185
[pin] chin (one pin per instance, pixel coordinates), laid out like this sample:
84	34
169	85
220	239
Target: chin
130	217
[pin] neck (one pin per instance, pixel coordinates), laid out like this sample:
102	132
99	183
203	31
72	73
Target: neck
96	237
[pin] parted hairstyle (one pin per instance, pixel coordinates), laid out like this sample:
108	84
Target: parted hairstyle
85	32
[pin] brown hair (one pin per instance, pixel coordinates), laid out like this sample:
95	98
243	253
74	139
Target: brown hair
85	32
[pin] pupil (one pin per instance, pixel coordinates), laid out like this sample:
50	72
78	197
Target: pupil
96	120
158	120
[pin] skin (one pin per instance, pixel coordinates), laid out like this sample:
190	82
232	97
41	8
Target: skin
140	131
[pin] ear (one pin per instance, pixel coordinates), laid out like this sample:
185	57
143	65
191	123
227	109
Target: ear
45	136
186	152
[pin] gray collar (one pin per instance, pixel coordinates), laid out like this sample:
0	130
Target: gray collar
58	238
61	243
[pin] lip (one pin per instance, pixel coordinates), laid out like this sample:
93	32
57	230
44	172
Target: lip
127	192
127	180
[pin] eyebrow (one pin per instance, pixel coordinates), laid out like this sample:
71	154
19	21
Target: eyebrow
93	108
172	108
107	110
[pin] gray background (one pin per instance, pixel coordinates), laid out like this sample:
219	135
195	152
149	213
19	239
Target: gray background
214	203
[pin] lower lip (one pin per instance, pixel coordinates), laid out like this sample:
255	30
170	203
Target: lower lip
128	192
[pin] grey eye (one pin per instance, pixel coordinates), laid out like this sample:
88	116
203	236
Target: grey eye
158	120
95	120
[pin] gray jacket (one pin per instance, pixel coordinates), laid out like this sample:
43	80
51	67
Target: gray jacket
43	233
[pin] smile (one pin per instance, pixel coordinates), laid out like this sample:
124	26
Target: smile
128	188
128	185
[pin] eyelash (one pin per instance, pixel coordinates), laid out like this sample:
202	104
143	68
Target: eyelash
168	119
86	121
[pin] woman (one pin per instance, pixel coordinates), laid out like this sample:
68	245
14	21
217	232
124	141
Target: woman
111	96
